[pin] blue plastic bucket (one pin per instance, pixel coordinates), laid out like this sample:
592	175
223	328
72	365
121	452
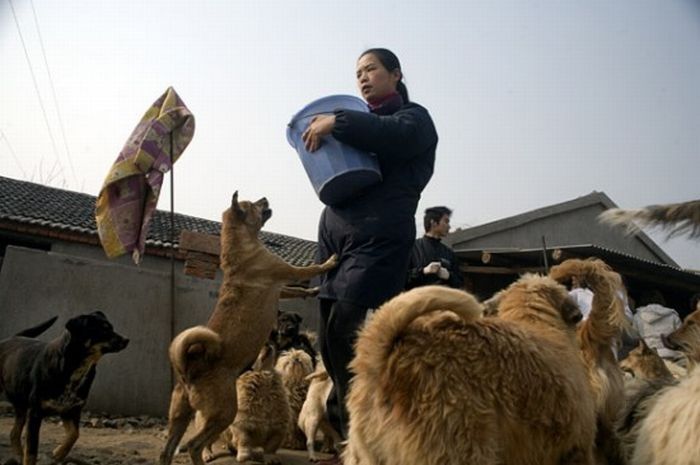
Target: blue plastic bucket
336	171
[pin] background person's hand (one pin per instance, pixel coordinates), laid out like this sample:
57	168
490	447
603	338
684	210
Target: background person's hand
320	126
444	274
432	268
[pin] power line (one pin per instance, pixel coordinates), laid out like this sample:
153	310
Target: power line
36	86
53	92
12	152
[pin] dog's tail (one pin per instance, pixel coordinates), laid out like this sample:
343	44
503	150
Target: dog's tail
375	342
34	331
677	218
192	351
606	320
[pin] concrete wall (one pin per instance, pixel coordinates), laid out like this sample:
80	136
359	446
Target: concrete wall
36	285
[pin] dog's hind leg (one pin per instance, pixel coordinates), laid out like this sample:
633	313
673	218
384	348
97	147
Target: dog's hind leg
178	420
31	445
70	425
274	442
16	433
210	431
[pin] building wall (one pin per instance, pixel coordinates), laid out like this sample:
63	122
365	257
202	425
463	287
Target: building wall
36	285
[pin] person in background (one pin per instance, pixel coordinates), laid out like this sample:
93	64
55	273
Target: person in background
652	319
432	262
372	233
695	302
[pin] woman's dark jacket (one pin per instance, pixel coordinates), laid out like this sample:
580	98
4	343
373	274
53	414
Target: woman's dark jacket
373	233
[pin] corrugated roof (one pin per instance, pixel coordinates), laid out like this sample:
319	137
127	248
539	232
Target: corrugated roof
521	219
62	210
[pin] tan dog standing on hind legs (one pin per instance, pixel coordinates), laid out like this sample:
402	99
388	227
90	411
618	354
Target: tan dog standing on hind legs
208	359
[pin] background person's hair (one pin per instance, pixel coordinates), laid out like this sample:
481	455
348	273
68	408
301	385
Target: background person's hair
694	301
434	214
391	62
651	296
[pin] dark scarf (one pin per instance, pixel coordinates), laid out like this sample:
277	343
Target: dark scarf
386	105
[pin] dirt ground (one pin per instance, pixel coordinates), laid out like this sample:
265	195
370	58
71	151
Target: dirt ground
116	441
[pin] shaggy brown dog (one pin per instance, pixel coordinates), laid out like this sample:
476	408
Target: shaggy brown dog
208	359
263	418
294	366
596	336
435	388
645	363
313	416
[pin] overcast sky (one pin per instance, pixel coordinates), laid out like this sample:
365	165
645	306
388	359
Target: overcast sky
535	102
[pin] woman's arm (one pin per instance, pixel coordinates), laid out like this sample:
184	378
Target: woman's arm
406	133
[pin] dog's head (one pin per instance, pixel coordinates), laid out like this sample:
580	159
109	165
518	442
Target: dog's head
267	357
686	338
95	333
541	298
644	362
294	364
251	215
288	324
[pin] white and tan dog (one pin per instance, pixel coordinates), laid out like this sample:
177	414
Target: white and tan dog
313	416
295	366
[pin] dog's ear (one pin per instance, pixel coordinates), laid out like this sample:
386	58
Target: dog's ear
645	348
75	323
100	314
236	208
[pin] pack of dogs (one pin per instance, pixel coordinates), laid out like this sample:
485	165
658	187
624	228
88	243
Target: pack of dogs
438	376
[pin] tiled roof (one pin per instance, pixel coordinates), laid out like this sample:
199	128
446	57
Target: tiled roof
57	209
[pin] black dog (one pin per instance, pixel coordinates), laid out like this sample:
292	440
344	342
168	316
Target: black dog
42	379
290	337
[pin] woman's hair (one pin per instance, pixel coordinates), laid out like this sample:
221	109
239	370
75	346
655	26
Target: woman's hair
390	62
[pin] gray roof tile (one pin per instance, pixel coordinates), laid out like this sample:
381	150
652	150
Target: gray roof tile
35	204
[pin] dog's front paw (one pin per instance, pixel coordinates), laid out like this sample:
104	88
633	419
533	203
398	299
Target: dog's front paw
331	263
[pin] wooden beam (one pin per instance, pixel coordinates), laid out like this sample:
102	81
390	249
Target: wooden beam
500	269
200	242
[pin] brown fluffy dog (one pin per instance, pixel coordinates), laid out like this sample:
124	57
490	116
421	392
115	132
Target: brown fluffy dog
435	388
294	366
686	339
596	336
313	415
645	363
208	359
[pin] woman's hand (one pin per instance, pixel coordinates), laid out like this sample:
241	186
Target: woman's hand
320	126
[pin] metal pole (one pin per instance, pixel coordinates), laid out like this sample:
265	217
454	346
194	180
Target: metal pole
172	247
544	254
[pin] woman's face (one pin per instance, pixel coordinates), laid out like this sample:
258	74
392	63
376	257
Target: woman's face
374	80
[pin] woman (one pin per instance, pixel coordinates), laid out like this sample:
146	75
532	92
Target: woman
372	233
